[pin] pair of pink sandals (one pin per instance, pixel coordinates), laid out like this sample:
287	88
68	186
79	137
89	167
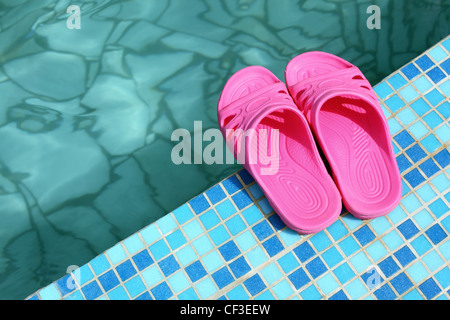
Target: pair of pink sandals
327	100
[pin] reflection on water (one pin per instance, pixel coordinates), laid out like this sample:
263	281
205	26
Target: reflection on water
87	115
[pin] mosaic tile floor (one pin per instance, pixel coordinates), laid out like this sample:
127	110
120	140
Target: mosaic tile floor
228	244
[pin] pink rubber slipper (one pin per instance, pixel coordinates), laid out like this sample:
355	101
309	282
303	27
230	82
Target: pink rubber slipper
349	124
271	138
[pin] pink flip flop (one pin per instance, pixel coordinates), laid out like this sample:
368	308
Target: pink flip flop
268	127
348	123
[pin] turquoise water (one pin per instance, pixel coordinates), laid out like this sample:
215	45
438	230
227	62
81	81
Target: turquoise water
86	116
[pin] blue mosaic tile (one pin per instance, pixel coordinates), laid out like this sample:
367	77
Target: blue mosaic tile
254	284
92	291
108	280
401	283
199	204
215	194
404	139
410	71
436	234
316	267
424	63
405	256
408	229
126	270
169	265
232	185
429	288
222	277
195	271
304	251
436	74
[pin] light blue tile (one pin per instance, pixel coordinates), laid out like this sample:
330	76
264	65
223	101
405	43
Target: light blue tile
420	107
176	239
443	133
256	257
238	293
380	225
235	225
271	273
186	255
421	245
178	282
417	272
150	234
392	240
444	249
406	116
206	288
398	214
152	276
86	274
394	126
202	245
118	294
327	284
320	241
75	296
99	264
413	295
433	119
433	261
441	182
422	84
360	262
183	214
437	53
135	286
159	249
265	296
426	193
209	219
411	204
226	209
245	241
311	293
351	222
423	219
397	81
133	244
166	224
445	87
394	103
282	290
252	215
418	130
50	292
356	289
212	261
376	251
192	229
383	90
219	235
116	254
408	94
288	262
431	143
289	237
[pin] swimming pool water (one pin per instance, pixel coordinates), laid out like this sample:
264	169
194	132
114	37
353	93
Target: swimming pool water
86	116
